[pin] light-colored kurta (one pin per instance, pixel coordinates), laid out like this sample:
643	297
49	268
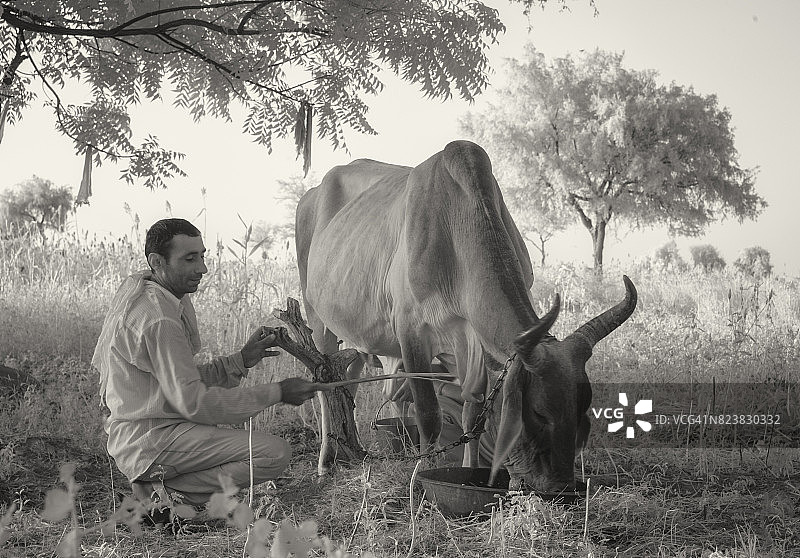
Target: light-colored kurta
152	387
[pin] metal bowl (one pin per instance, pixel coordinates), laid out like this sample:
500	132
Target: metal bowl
461	491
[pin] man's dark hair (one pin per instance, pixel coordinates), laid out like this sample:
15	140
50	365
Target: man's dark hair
161	233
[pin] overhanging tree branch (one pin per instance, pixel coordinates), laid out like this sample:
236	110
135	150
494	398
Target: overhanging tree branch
248	43
41	25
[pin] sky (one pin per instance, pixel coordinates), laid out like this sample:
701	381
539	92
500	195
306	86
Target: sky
745	52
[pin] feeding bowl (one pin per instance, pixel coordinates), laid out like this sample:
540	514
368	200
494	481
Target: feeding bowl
461	491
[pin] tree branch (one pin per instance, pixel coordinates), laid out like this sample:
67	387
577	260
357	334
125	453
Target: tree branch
59	107
188	49
41	25
573	201
10	71
299	343
341	442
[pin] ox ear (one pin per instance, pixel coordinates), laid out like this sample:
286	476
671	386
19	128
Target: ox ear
510	419
525	343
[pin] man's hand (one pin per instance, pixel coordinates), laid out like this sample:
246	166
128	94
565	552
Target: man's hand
295	391
257	346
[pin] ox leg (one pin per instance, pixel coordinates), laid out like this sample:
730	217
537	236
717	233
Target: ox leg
469	413
417	358
471	370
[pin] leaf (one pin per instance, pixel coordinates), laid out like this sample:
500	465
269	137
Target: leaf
70	545
57	505
257	537
67	472
240	243
229	488
242	516
257	246
219	506
108	528
5	521
262	528
294	540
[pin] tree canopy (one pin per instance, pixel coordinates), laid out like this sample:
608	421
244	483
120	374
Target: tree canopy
36	201
707	257
605	141
754	261
285	62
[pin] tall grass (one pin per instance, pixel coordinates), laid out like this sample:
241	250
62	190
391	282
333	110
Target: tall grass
688	326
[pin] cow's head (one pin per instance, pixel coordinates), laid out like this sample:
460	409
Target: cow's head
546	395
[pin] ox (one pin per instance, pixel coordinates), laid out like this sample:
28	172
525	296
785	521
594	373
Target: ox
424	262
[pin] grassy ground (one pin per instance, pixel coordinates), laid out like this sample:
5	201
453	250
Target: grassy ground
688	327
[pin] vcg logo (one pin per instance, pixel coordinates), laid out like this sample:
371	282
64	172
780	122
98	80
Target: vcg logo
617	414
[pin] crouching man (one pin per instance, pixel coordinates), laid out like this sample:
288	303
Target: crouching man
163	407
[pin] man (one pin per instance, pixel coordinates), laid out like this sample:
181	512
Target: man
164	408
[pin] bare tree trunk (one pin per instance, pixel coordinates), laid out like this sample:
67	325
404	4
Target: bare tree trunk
342	443
542	241
597	230
598	242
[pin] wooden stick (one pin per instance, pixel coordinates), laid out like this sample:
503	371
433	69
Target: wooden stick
419	375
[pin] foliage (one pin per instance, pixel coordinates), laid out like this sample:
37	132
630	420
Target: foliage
706	257
668	256
540	217
35	201
282	61
289	540
587	134
754	261
289	193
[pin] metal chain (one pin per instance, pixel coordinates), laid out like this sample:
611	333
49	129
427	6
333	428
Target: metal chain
480	421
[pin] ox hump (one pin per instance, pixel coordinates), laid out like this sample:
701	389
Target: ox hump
470	167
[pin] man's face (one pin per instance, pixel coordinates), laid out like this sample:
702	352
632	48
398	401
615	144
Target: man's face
182	271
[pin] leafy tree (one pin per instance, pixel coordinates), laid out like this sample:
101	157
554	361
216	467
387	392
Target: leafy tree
283	61
36	201
707	257
668	256
292	189
754	261
608	142
539	218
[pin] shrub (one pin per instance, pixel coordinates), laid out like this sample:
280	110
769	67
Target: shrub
706	257
668	257
754	261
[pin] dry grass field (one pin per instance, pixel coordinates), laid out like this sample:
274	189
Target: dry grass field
688	327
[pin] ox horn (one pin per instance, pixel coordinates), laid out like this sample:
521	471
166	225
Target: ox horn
526	341
600	326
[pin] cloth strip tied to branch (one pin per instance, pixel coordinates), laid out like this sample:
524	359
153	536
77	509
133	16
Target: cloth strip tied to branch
302	134
85	191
